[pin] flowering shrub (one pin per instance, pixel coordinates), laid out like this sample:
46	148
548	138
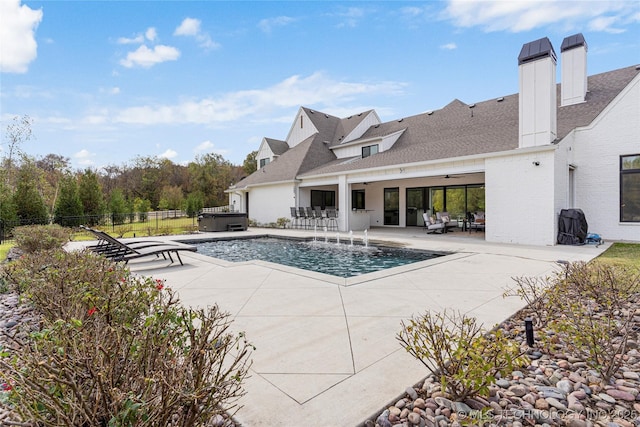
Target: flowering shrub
118	349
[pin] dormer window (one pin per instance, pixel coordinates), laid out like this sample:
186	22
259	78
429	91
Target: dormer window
369	150
264	162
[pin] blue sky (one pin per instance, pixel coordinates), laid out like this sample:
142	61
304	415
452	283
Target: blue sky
107	81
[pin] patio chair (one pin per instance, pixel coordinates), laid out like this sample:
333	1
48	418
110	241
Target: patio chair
332	218
433	225
320	219
295	218
120	251
109	246
302	214
449	223
476	221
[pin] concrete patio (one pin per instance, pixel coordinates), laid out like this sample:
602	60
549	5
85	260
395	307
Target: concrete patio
326	352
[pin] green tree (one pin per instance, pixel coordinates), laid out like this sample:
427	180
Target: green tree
250	166
118	206
194	204
211	174
68	211
8	214
90	192
142	208
171	197
29	203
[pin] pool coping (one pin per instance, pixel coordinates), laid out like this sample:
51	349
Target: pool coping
336	280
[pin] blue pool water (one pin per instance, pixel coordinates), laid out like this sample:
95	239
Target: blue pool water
342	260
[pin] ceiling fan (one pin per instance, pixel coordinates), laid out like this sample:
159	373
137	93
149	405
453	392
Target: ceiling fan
449	176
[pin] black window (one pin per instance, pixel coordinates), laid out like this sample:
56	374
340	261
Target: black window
357	199
264	162
323	199
630	188
369	150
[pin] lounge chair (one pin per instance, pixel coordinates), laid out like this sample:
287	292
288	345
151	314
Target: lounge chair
449	223
120	251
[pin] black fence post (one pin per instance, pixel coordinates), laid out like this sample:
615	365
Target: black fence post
1	231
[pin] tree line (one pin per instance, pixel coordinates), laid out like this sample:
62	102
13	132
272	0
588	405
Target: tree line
33	190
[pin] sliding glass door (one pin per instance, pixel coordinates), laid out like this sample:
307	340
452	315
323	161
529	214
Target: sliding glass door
392	206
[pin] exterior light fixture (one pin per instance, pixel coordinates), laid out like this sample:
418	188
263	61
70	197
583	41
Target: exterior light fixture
536	163
528	330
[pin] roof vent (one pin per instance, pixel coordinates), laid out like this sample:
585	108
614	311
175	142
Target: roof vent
430	112
359	114
311	111
500	99
376	126
326	116
349	117
400	120
472	106
637	67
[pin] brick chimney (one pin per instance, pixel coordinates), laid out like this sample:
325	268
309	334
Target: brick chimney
537	103
574	70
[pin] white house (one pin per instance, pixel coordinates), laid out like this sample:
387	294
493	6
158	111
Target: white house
520	158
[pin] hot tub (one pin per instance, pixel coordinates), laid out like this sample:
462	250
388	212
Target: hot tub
222	221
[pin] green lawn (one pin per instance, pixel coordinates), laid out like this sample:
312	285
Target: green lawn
622	254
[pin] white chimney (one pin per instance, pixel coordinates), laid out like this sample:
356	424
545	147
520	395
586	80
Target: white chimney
574	70
538	99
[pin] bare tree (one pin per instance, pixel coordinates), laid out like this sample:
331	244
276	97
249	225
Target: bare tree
18	132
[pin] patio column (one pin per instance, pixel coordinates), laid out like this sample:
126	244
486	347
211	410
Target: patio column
343	203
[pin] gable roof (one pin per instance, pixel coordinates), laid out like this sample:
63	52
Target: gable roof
456	130
277	146
490	126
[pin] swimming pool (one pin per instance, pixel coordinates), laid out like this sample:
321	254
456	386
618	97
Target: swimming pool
337	259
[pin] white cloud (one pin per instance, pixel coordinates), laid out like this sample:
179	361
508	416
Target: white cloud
18	46
525	15
190	27
151	34
268	24
84	157
205	146
316	89
139	39
351	17
114	90
168	154
145	57
449	46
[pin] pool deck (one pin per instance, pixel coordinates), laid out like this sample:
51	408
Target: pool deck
326	349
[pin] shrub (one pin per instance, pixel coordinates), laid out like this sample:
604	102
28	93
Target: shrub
593	318
117	349
456	349
35	238
282	222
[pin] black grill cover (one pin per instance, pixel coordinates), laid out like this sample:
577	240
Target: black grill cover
572	227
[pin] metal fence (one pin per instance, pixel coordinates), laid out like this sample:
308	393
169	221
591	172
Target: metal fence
121	225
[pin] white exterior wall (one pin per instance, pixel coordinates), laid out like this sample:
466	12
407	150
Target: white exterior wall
264	152
298	132
371	119
597	152
519	198
266	204
574	75
537	103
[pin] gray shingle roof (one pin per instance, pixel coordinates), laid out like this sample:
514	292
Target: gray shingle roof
453	131
277	146
491	126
